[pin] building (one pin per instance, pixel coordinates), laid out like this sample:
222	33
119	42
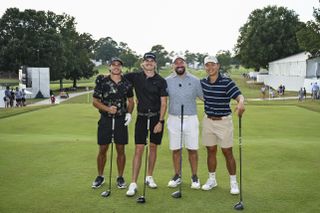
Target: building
294	72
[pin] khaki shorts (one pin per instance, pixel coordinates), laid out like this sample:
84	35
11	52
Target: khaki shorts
217	132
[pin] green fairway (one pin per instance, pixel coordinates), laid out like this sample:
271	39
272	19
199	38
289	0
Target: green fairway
47	164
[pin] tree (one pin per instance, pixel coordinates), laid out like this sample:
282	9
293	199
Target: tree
269	34
128	56
309	35
106	48
224	58
162	55
82	67
190	57
200	58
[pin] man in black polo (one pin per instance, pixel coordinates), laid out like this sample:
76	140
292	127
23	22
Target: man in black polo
150	89
113	96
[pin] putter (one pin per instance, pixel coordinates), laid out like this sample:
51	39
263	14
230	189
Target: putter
178	194
108	191
142	199
239	205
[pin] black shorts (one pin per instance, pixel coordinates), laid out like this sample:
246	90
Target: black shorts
105	130
141	130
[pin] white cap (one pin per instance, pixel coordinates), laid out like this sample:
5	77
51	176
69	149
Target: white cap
178	57
211	59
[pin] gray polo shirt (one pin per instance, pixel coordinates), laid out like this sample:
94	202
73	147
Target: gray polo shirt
183	90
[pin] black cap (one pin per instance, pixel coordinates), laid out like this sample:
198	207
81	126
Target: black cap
116	59
149	55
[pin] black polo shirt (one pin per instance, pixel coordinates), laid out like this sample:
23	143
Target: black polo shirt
148	90
113	94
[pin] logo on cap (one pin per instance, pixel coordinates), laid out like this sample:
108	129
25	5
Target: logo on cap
149	55
116	59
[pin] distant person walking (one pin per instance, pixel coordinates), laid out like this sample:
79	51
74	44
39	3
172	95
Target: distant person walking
217	126
113	97
7	97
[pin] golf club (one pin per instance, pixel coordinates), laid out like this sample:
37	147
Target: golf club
108	192
178	194
142	199
239	205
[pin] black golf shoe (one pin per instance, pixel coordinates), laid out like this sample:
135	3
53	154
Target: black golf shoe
121	184
98	182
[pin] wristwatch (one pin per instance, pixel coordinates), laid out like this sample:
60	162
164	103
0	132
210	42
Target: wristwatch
161	121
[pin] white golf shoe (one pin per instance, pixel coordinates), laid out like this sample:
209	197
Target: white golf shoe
195	183
150	182
132	189
234	189
211	183
174	182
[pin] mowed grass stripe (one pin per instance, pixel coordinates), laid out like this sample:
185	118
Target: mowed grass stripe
48	163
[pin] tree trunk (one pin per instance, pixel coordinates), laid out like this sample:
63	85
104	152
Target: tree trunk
74	83
61	84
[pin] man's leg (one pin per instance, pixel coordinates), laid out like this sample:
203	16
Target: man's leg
212	158
231	166
136	163
193	160
121	158
176	160
230	161
101	158
152	158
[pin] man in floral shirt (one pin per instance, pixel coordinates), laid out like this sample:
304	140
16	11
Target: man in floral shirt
113	97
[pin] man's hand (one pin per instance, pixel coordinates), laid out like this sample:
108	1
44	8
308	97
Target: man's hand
112	109
127	119
240	109
157	128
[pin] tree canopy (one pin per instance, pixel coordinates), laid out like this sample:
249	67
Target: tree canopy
309	36
268	34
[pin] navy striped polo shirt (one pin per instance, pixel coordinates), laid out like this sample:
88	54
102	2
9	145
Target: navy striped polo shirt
217	95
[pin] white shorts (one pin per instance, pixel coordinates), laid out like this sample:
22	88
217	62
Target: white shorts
190	132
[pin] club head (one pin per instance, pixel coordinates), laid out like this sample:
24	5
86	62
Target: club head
106	193
141	199
176	194
239	206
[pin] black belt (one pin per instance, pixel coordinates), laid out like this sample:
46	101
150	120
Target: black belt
148	114
214	118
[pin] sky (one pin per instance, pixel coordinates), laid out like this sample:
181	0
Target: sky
204	26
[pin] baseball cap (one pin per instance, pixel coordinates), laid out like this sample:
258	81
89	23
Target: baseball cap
211	59
149	55
176	58
116	59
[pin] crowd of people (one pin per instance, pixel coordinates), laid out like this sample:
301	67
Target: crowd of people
14	97
113	97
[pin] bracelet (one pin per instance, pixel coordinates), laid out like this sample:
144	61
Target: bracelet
161	121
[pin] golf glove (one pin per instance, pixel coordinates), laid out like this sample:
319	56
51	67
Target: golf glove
127	119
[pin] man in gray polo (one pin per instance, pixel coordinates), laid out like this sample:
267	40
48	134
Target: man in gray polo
183	89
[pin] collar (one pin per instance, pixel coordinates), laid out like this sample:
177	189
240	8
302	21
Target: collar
218	79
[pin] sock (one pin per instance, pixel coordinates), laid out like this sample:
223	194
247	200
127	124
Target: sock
212	175
233	178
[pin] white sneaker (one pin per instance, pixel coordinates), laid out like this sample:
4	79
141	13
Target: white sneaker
132	189
234	189
195	184
174	183
150	182
211	183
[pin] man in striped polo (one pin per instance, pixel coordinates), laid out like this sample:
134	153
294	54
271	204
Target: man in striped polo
217	126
